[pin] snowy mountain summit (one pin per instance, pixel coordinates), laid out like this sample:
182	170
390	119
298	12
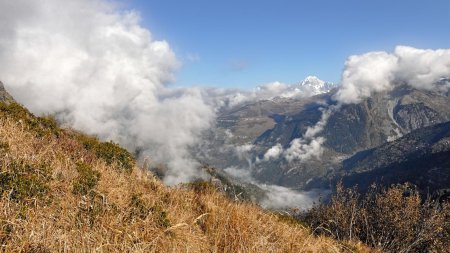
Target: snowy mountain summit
310	86
316	86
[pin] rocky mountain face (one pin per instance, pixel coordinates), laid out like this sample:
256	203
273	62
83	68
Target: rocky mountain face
421	157
384	117
4	95
380	119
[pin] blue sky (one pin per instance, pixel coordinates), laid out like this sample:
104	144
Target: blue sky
233	43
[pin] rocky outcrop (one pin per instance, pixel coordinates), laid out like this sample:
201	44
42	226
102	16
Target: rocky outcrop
4	95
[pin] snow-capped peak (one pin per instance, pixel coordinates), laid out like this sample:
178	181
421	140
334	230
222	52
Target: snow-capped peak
312	81
315	85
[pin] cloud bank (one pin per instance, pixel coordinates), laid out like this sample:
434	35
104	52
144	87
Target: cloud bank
100	71
381	71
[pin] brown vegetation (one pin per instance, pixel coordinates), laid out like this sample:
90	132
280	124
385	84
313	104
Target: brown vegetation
396	219
63	191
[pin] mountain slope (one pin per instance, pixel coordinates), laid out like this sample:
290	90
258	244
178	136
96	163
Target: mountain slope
64	191
350	128
421	157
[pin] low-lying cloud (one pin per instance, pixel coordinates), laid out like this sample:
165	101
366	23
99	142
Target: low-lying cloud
273	153
279	197
100	71
305	148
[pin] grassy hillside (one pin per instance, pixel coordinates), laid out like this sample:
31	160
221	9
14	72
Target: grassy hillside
64	191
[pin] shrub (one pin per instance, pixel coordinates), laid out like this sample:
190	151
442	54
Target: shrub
289	219
138	208
41	126
4	147
23	181
6	228
110	152
160	217
14	110
201	187
393	219
87	179
36	248
49	123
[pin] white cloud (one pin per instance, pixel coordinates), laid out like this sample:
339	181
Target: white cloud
380	71
303	150
278	197
422	68
244	153
240	173
365	74
101	72
310	144
273	153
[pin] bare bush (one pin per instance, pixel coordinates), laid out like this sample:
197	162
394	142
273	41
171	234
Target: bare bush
394	219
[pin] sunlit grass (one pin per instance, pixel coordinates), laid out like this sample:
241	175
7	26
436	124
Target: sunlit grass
60	195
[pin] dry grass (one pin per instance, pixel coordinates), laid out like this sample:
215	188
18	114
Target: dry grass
100	207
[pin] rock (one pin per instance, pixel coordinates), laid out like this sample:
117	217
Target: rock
4	95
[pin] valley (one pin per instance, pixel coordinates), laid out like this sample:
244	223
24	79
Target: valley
246	132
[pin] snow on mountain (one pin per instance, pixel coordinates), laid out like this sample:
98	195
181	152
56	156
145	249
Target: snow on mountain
315	85
309	87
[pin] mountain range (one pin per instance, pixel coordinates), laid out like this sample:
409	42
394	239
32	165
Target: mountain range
356	138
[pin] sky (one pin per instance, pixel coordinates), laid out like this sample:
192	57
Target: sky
241	44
